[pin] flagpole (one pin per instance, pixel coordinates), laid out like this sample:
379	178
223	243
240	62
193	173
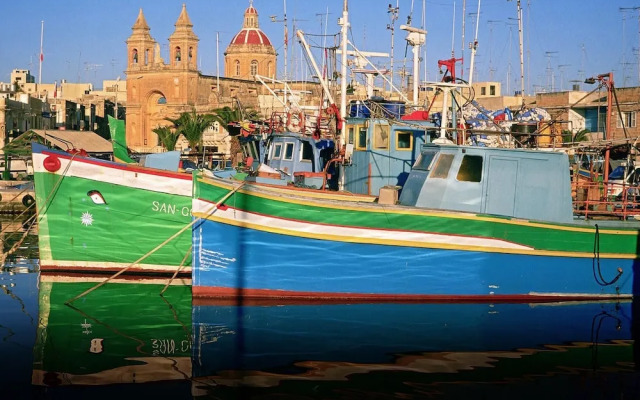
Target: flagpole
41	54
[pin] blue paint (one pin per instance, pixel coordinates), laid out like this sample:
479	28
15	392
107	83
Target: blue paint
263	260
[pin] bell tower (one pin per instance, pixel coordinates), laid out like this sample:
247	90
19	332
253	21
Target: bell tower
140	45
183	44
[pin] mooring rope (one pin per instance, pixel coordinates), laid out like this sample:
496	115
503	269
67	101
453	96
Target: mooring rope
596	263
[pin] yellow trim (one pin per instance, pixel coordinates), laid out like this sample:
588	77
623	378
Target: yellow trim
425	213
405	243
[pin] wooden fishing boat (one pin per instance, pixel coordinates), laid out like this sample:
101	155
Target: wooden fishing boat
97	216
472	224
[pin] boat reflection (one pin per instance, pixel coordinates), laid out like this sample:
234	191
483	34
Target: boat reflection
124	338
416	349
122	333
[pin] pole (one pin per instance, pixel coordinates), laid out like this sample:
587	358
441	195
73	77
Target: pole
608	80
474	47
218	61
115	114
344	23
521	51
416	72
41	53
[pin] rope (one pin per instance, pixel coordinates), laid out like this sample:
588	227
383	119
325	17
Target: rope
177	270
596	263
19	242
214	207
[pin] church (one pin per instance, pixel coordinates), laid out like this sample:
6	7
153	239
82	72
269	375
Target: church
158	89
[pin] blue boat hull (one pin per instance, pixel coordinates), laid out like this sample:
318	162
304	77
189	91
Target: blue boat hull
263	264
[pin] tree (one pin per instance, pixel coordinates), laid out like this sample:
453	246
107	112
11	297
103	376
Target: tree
192	125
580	136
226	115
167	137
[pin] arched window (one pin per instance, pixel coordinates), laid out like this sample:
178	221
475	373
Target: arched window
254	67
190	53
146	56
162	100
178	55
135	56
270	69
237	63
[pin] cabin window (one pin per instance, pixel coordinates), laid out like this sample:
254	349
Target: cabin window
306	152
629	119
288	151
380	136
404	140
483	91
443	164
424	161
362	139
277	151
492	90
351	135
470	169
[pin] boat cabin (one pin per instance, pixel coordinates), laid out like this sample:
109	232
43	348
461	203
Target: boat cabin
381	151
528	184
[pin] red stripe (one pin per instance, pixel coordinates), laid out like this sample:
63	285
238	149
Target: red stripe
123	167
210	295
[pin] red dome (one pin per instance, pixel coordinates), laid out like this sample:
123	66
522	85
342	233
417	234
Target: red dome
251	36
251	10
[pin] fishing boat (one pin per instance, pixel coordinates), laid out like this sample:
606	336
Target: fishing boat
101	217
471	223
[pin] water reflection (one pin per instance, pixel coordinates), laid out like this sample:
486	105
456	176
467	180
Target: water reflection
417	350
124	339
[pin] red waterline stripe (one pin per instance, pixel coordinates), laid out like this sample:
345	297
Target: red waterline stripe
124	167
228	296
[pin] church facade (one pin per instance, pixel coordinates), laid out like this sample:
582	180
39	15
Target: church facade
158	89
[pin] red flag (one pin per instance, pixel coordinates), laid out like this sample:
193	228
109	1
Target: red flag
286	36
55	90
41	57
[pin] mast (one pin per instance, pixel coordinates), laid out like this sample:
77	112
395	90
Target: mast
474	46
521	51
344	23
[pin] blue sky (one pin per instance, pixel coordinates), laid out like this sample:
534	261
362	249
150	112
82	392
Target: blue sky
565	40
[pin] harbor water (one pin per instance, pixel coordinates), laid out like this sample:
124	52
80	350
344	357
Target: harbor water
127	340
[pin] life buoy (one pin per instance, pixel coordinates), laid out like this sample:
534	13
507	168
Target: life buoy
295	121
28	200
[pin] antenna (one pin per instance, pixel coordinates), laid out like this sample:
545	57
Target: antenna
561	69
623	9
491	22
393	14
550	77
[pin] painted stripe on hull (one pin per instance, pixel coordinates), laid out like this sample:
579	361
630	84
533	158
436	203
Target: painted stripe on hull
231	257
348	234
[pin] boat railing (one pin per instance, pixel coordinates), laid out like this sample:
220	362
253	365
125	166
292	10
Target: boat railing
593	199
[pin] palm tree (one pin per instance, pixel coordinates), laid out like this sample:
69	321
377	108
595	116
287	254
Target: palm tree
192	126
167	137
226	115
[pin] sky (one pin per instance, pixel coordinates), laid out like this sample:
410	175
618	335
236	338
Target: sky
564	41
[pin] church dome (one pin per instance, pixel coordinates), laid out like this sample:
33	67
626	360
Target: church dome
250	32
251	36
